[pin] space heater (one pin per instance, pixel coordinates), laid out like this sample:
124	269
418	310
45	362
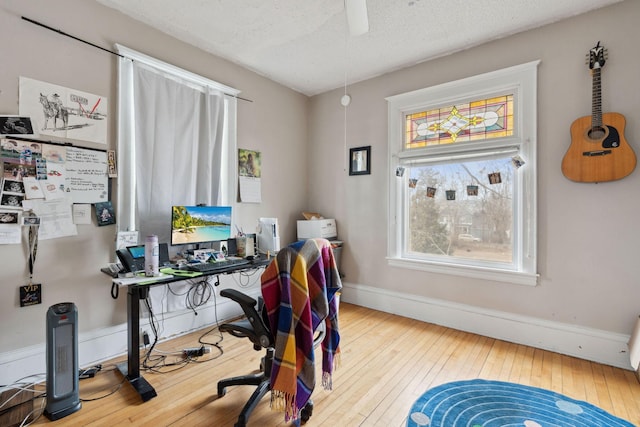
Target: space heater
63	396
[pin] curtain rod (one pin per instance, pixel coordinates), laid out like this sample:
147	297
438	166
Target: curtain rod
69	35
99	47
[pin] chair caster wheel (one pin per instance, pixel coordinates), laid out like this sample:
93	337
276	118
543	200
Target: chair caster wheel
306	412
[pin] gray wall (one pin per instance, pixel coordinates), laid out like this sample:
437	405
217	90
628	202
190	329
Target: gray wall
275	123
588	234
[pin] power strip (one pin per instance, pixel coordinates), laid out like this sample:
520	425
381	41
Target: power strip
196	351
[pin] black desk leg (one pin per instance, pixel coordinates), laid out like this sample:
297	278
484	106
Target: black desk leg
131	370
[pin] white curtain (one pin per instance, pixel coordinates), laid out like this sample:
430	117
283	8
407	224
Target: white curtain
172	147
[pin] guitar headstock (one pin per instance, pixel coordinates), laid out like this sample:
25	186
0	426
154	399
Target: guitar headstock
597	56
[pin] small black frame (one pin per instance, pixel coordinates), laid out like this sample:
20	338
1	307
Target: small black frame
360	161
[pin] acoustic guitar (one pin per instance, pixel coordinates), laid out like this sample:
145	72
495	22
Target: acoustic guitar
598	150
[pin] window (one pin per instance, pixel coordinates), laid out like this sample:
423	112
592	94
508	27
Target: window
176	142
462	192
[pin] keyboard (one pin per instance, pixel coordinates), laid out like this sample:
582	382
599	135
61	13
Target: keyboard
209	267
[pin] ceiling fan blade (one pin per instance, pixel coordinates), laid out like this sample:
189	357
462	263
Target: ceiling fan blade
357	18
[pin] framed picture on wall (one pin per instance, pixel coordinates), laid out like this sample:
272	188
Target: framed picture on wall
360	161
15	125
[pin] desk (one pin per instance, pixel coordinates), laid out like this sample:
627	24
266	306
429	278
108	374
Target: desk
139	291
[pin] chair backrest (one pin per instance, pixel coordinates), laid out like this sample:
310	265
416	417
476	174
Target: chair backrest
255	326
298	288
311	265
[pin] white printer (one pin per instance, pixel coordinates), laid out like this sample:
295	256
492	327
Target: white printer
312	228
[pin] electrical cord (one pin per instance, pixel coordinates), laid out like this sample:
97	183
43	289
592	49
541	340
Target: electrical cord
21	387
152	324
30	400
38	410
158	364
173	292
248	275
26	422
197	295
216	344
113	391
149	362
100	369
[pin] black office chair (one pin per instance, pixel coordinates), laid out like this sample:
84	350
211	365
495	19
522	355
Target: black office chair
254	327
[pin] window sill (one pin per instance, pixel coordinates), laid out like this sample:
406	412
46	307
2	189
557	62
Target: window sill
489	274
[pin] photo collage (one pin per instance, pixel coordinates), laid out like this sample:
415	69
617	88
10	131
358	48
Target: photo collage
24	163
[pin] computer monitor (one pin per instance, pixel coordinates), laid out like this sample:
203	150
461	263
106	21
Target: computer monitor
200	224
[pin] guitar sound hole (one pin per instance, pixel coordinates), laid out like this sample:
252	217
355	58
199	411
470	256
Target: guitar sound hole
597	133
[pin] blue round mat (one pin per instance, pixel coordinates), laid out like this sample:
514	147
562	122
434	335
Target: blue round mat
482	403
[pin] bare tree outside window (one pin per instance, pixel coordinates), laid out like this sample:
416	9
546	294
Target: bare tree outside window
474	225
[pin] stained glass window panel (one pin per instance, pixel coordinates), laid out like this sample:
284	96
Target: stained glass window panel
473	121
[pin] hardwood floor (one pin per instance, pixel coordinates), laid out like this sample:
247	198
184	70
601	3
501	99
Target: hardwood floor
388	361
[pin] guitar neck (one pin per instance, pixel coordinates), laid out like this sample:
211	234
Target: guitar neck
596	99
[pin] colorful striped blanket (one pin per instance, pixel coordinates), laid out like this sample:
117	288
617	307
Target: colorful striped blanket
299	289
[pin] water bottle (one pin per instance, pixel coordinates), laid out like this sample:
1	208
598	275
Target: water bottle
151	255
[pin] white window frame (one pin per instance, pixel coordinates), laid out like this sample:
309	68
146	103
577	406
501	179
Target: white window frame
519	80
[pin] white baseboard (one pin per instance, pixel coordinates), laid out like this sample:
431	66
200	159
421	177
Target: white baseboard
596	345
104	344
591	344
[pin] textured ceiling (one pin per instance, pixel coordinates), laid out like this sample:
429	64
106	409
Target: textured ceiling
304	44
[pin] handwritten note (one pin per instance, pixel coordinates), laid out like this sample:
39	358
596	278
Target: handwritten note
126	238
86	180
